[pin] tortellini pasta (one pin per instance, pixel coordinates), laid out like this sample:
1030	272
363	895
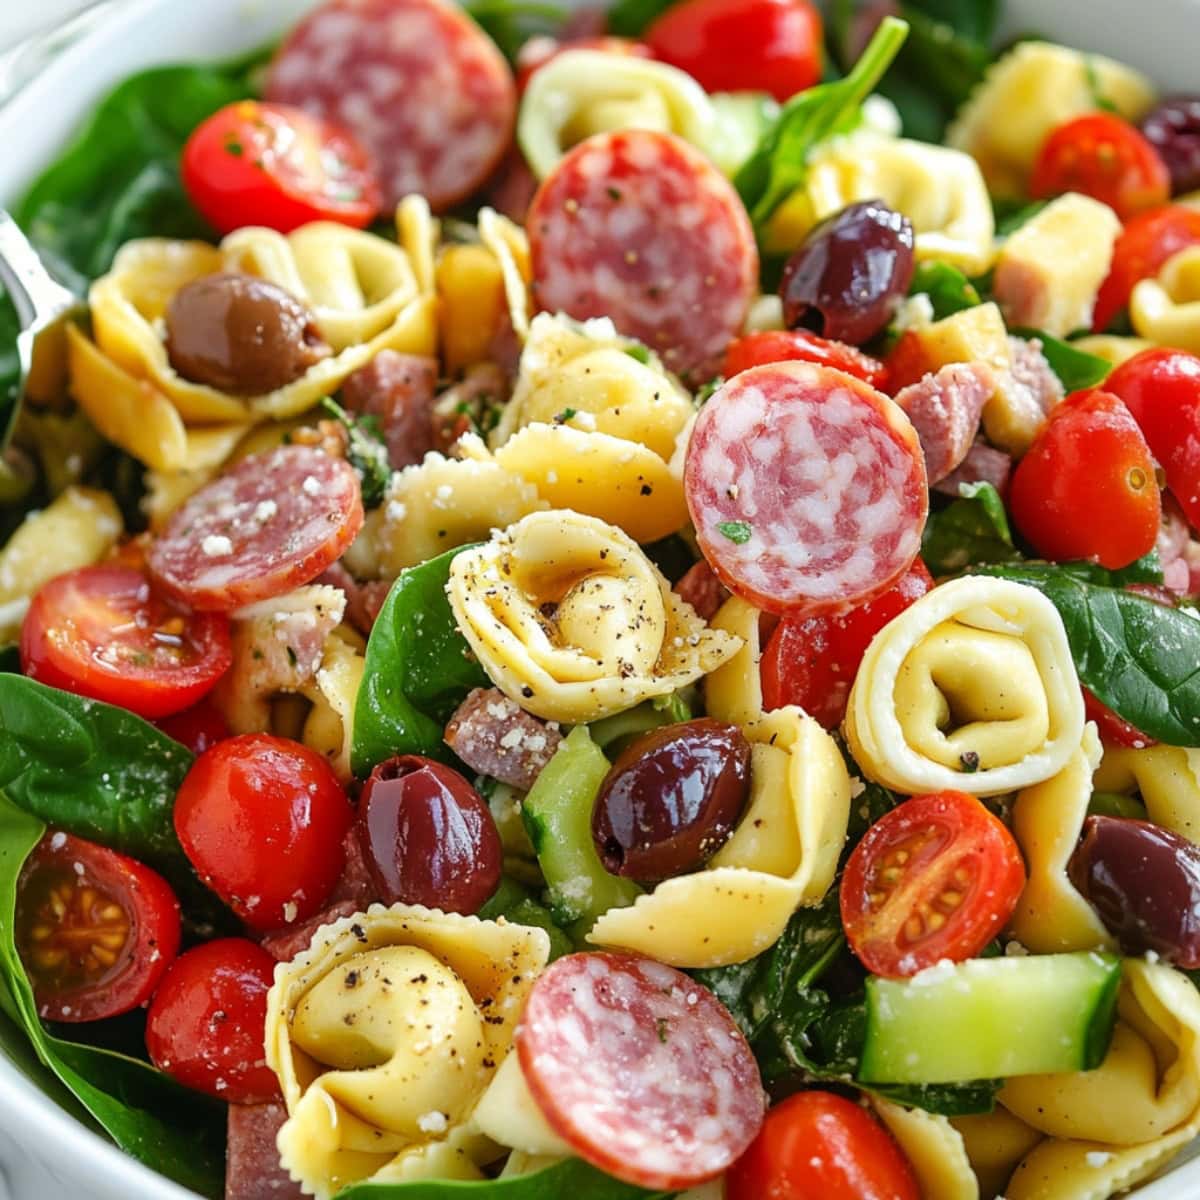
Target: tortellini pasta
995	1142
572	621
1166	310
206	449
733	692
385	1034
934	1148
333	692
782	854
1026	93
1167	777
509	244
972	688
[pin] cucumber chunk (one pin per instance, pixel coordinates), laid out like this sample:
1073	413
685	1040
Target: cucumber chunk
990	1018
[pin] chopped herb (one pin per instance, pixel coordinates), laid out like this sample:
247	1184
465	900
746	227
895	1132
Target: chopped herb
736	531
1099	99
613	193
234	148
639	352
292	659
706	390
663	1027
563	417
970	761
366	452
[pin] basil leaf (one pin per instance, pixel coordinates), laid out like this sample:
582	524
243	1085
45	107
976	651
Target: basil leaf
948	289
972	529
1075	368
418	670
1138	657
159	1122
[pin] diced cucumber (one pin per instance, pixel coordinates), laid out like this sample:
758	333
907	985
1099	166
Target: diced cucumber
991	1018
558	815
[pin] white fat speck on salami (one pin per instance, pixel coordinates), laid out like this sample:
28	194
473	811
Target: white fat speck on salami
807	488
640	1069
218	554
423	88
638	226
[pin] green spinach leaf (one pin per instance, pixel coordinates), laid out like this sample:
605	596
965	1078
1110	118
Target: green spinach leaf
973	529
948	289
631	18
515	903
1075	368
418	670
511	23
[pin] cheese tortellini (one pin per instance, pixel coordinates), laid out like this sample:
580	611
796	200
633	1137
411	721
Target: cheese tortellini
782	854
935	1150
1166	310
385	1034
972	687
571	620
1166	777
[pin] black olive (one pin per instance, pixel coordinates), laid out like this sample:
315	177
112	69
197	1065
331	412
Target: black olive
1173	129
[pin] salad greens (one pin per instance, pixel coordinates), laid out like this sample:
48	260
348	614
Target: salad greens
972	529
948	289
1075	368
366	451
511	23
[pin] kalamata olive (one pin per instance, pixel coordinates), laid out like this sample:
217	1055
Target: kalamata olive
428	836
849	273
1144	882
671	799
241	334
1173	129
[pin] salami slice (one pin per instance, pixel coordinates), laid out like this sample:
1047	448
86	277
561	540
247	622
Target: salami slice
272	523
419	83
638	226
640	1069
807	488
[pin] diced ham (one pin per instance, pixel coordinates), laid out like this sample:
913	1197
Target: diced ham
1033	372
399	390
945	408
252	1170
700	587
496	737
983	464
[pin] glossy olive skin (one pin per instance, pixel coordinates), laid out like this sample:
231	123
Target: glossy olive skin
428	837
240	334
849	273
671	800
1144	882
1173	129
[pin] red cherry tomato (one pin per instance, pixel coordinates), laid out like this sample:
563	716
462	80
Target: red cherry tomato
197	727
206	1022
1161	389
538	51
271	164
95	930
821	1146
812	661
1114	730
742	45
782	345
1146	242
262	818
1086	488
934	878
1106	158
101	632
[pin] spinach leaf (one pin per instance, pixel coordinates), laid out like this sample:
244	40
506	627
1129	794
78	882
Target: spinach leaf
511	23
1140	658
1012	214
1075	368
169	1128
972	529
515	903
418	670
1147	569
779	164
631	18
948	289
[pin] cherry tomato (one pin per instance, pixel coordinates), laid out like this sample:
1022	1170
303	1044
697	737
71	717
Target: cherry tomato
1086	488
271	164
538	51
934	878
1161	389
197	727
821	1146
1114	730
782	345
95	930
742	45
262	818
1146	242
206	1021
1106	158
812	661
102	632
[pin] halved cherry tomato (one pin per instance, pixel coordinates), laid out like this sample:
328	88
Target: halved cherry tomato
103	632
934	878
95	930
538	51
784	345
1114	730
1161	389
197	727
821	1146
1106	158
262	818
812	661
205	1024
1086	488
742	45
271	164
1145	244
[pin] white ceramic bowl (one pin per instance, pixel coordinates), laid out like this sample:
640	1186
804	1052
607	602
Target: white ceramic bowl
1162	37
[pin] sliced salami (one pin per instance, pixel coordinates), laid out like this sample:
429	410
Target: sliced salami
252	1170
638	226
807	488
273	522
420	84
640	1069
